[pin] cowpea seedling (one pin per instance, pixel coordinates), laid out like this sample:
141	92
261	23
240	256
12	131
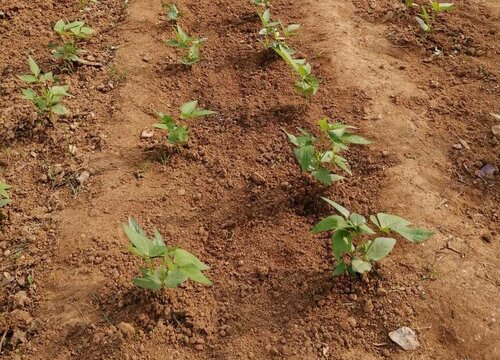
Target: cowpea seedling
166	267
184	41
44	97
70	33
179	134
316	161
354	255
4	194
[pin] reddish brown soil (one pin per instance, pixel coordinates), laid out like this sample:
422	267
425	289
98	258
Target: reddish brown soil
235	196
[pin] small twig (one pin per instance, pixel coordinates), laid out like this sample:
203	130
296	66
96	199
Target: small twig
380	344
3	338
89	63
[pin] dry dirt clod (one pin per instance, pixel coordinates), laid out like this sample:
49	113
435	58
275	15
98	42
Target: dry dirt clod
83	177
127	329
381	291
182	192
21	300
405	338
496	130
457	146
262	271
368	306
147	133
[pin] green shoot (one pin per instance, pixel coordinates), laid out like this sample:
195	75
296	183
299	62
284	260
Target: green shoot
4	195
179	134
44	97
167	267
275	32
426	18
70	34
184	41
307	85
316	161
351	257
173	12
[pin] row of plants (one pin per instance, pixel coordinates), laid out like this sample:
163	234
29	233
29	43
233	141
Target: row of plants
355	245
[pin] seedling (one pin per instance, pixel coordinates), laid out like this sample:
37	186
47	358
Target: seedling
173	12
70	34
316	161
351	257
307	85
44	97
166	267
184	41
426	17
179	134
4	195
275	32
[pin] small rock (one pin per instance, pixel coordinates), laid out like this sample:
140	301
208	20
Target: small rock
21	299
84	176
148	133
353	297
33	154
352	321
496	130
381	291
405	338
127	329
182	192
457	146
368	306
487	237
464	144
262	271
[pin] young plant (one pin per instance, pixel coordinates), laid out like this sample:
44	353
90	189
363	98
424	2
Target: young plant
275	32
166	267
173	12
4	195
307	85
45	98
179	134
426	17
192	45
70	33
358	256
316	161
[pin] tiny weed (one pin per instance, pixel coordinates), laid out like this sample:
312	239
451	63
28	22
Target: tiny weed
191	45
167	267
315	161
179	134
358	257
45	98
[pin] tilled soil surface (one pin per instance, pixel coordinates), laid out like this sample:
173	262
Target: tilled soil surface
235	195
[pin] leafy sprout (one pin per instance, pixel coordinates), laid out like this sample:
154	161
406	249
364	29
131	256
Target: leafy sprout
316	161
173	12
357	257
70	33
166	267
426	18
179	134
44	97
184	41
274	31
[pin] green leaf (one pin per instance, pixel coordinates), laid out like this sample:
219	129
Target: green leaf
339	269
379	248
304	155
332	222
342	210
141	245
183	258
28	94
323	175
360	266
355	139
59	109
173	12
150	279
59	26
35	69
422	24
188	108
175	278
195	274
28	78
388	222
341	243
4	202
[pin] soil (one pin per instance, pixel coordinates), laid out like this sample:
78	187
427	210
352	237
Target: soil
235	196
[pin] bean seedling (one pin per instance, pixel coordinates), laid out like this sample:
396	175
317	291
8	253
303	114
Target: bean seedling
173	12
166	267
179	134
192	45
351	257
315	161
307	85
46	98
70	34
4	195
275	32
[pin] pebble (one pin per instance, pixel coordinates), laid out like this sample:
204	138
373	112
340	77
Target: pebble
381	291
84	176
182	192
262	271
368	306
405	338
496	130
147	133
487	237
457	146
352	321
127	329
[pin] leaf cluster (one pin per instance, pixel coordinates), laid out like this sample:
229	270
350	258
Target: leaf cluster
354	258
316	161
189	44
179	134
274	31
70	33
428	14
167	267
173	12
4	195
45	97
